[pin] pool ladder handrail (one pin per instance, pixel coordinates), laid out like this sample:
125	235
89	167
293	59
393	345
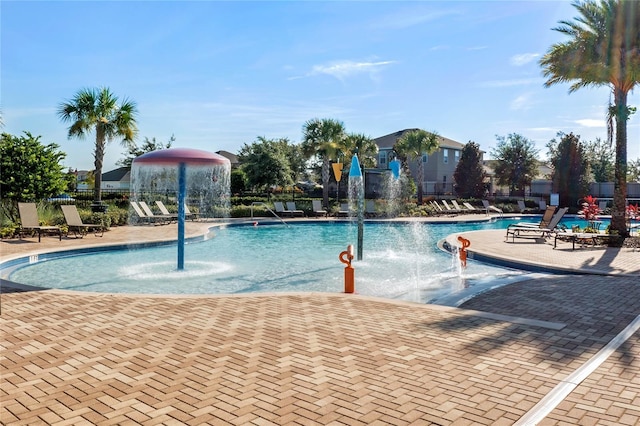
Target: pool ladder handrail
268	208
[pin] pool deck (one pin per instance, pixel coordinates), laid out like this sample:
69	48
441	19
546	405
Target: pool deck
554	350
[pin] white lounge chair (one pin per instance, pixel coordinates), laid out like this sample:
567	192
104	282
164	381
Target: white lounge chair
521	206
280	210
488	207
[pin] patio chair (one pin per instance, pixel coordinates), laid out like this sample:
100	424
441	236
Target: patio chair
165	212
521	206
136	208
516	231
543	205
344	210
488	207
189	214
370	209
149	215
440	210
74	221
544	221
317	208
29	221
291	206
470	207
280	210
448	208
460	209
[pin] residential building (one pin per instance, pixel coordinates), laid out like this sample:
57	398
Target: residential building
438	167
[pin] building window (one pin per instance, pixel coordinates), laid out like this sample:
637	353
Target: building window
456	156
445	156
425	158
383	160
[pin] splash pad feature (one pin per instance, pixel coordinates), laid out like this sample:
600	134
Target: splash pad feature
356	198
179	172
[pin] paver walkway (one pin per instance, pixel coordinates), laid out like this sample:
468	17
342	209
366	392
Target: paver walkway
293	359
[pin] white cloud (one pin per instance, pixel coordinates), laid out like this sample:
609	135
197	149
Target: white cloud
520	103
589	122
344	69
510	83
523	59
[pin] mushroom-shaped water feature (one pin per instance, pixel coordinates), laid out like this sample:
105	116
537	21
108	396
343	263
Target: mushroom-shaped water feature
189	175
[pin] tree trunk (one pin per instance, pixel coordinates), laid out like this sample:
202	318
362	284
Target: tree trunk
326	174
618	220
420	179
98	159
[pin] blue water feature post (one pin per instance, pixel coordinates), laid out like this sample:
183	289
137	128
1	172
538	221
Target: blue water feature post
355	173
182	191
394	165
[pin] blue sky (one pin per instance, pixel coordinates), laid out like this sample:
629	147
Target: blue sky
219	74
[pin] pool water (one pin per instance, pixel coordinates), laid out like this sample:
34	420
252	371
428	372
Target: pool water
399	261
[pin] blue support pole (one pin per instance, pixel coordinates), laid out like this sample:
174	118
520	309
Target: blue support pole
182	190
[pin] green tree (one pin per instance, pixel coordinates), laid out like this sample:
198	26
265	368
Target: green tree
570	169
603	50
365	147
412	146
516	163
633	171
601	161
31	171
266	163
469	174
238	181
134	151
97	110
323	139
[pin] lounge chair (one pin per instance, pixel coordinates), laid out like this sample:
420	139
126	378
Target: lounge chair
449	208
488	207
370	209
602	205
439	209
521	206
291	206
189	214
544	222
317	208
470	207
280	210
136	208
74	221
460	209
516	231
165	212
543	205
344	210
29	221
157	217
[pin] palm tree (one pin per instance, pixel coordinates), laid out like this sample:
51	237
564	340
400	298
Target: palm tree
323	138
98	110
604	50
365	147
412	145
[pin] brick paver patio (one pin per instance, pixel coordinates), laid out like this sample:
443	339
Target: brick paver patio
316	359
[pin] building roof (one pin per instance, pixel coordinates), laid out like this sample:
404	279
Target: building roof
117	175
388	141
233	158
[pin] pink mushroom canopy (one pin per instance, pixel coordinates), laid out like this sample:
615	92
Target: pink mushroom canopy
181	155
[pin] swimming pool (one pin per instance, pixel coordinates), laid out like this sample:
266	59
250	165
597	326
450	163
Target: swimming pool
399	261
